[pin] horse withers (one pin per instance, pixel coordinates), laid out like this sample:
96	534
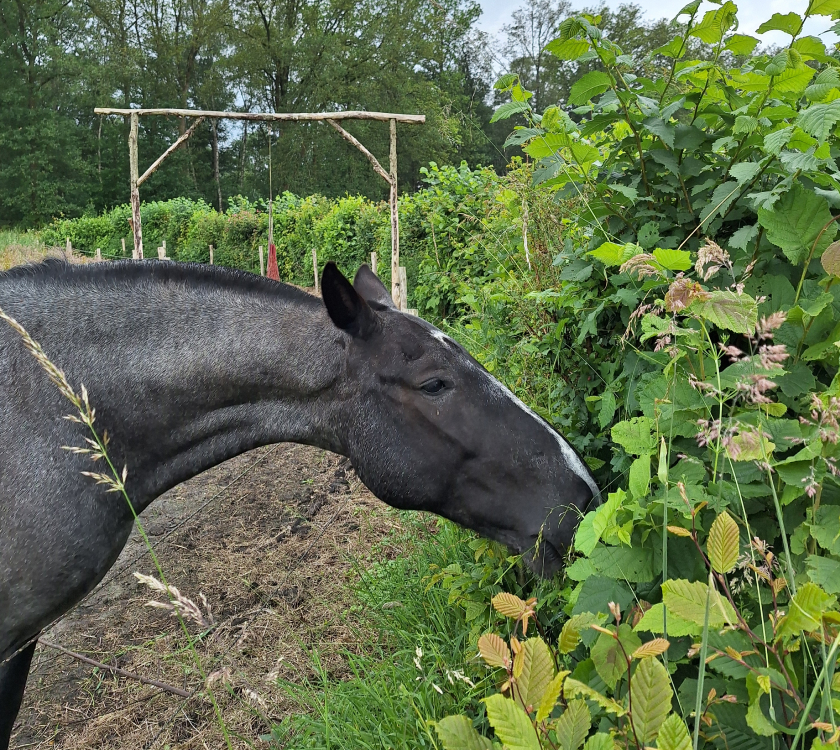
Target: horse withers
189	365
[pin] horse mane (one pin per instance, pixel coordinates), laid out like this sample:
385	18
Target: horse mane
191	275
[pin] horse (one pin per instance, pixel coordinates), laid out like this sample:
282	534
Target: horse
188	365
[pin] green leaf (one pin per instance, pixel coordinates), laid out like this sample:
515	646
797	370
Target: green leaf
721	200
607	410
550	696
790	23
640	476
744	171
794	80
673	734
687	600
635	435
607	655
569	49
650	698
728	310
537	671
741	44
634	564
506	81
600	741
805	610
823	7
819	119
570	634
458	733
756	720
795	221
825	572
653	621
774	142
611	254
715	23
509	109
511	723
673	260
666	131
589	86
573	726
825	81
648	235
723	543
809	47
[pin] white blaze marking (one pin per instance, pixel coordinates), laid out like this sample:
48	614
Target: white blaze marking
572	458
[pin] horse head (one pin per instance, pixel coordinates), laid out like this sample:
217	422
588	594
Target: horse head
428	428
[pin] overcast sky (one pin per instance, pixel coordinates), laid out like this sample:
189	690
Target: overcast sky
751	14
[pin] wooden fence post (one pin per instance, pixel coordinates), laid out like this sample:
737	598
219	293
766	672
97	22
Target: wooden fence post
395	222
161	253
262	262
163	243
403	289
373	263
69	249
413	311
315	269
211	255
122	241
99	253
136	227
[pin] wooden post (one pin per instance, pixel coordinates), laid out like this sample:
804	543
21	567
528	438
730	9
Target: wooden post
99	253
262	262
373	263
315	269
163	243
412	311
211	255
396	295
122	241
68	249
403	304
161	253
135	189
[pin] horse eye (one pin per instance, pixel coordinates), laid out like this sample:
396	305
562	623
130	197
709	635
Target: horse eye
433	386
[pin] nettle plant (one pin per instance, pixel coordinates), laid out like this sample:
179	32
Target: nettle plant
704	298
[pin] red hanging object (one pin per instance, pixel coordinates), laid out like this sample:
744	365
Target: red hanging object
273	271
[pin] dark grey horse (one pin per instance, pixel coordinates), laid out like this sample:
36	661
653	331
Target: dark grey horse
189	365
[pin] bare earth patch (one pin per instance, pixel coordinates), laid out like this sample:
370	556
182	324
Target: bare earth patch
282	530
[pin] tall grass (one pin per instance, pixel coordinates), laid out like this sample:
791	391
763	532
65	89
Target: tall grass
419	665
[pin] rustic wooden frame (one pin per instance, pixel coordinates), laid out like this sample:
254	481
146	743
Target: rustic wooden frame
333	118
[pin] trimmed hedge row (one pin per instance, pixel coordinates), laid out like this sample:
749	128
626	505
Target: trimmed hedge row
345	230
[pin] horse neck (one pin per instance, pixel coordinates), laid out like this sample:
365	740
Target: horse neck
185	378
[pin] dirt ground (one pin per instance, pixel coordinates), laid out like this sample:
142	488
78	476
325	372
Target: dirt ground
271	539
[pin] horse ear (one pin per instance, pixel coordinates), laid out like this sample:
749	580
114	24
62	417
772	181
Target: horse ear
345	307
367	284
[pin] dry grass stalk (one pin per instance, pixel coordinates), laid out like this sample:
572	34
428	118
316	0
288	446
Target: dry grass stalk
178	603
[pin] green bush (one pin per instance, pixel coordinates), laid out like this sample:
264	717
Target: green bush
684	332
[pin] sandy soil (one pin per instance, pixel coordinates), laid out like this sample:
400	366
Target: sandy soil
271	538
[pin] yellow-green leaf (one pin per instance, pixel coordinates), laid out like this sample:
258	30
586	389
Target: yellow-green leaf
508	605
673	734
650	694
687	600
673	260
537	671
723	543
511	723
458	733
805	610
494	650
572	628
639	479
573	688
573	726
550	696
653	621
